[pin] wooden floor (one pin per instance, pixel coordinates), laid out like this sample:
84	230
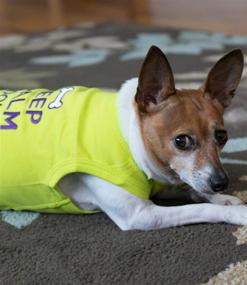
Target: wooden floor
228	16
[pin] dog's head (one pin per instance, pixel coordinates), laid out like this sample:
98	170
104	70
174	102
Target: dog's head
183	130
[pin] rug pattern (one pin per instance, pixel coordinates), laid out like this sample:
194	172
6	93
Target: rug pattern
56	249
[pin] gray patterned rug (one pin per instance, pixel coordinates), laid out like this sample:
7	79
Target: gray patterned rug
90	249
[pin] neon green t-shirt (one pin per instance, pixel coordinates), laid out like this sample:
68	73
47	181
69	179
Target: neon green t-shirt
45	135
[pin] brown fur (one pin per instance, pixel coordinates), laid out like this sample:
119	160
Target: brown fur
181	115
165	113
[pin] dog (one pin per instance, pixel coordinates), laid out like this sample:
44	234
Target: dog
131	146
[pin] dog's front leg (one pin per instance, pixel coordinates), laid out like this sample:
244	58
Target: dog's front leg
130	212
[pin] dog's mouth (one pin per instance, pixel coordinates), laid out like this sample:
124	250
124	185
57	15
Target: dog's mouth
195	184
198	185
173	176
201	186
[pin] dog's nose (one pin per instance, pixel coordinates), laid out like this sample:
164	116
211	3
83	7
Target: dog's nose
219	181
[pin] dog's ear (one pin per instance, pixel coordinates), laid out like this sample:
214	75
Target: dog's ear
224	77
156	81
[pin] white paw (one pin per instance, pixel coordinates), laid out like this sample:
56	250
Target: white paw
221	199
236	215
232	200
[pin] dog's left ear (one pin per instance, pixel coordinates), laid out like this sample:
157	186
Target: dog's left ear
224	77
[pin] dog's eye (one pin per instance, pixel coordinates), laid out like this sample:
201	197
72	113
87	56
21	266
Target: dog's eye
221	137
184	142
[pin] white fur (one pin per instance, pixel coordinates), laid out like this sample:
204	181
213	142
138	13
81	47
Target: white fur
131	131
130	212
221	199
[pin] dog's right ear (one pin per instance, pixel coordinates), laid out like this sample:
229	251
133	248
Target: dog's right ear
224	77
156	82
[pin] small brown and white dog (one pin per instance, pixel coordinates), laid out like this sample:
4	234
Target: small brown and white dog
175	136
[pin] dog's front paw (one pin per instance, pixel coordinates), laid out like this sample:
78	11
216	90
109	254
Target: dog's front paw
221	199
234	201
236	215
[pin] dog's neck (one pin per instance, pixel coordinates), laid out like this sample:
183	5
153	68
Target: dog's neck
130	128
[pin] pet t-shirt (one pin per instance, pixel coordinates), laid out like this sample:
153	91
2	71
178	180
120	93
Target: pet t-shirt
45	135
